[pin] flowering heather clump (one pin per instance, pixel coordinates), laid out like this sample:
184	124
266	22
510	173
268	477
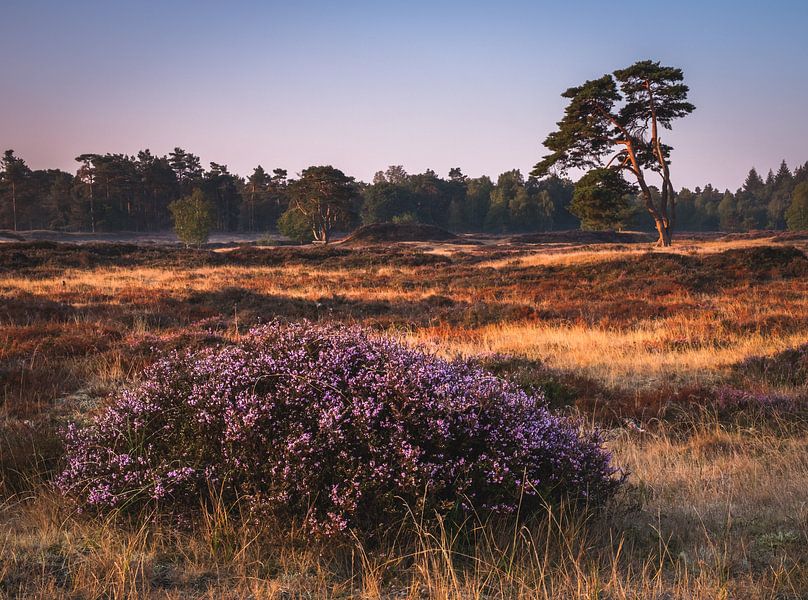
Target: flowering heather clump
333	426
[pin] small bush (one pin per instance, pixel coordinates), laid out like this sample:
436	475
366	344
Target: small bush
193	218
335	427
294	225
406	218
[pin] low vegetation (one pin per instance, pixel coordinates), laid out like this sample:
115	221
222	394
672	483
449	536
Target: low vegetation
334	429
384	233
689	361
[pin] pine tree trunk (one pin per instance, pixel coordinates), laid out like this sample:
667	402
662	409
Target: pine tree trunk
14	203
665	234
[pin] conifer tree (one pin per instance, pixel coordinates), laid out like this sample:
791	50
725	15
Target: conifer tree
621	116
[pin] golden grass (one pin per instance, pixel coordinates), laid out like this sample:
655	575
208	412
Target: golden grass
658	353
565	255
720	513
115	284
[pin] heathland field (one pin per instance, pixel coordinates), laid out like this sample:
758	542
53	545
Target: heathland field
692	359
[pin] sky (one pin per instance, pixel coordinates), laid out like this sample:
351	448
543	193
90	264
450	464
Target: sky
362	85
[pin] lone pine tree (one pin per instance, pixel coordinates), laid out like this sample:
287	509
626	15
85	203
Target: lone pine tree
619	117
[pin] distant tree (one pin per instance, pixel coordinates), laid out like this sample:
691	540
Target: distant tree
697	210
687	217
751	209
15	172
769	183
728	218
752	200
455	174
296	226
278	200
530	210
393	174
784	177
801	173
44	200
780	197
57	199
116	182
456	189
797	213
158	187
708	201
223	188
193	218
560	191
187	168
753	182
86	175
594	127
433	197
255	193
478	202
457	217
384	201
603	200
325	197
509	184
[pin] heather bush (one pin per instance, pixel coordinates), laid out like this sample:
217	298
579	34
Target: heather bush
332	426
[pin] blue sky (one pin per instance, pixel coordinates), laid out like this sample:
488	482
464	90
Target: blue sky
362	85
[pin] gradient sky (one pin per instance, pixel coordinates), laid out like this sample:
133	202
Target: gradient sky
362	85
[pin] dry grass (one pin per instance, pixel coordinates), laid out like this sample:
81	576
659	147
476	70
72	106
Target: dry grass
565	255
716	507
720	513
661	353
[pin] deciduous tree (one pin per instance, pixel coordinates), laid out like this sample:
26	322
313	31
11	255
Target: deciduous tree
193	218
797	213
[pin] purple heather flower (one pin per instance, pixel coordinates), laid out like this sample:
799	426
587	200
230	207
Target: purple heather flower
335	426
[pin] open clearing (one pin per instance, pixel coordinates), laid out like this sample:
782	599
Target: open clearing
693	358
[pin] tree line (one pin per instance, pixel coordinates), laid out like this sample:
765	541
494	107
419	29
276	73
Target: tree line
115	192
777	202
